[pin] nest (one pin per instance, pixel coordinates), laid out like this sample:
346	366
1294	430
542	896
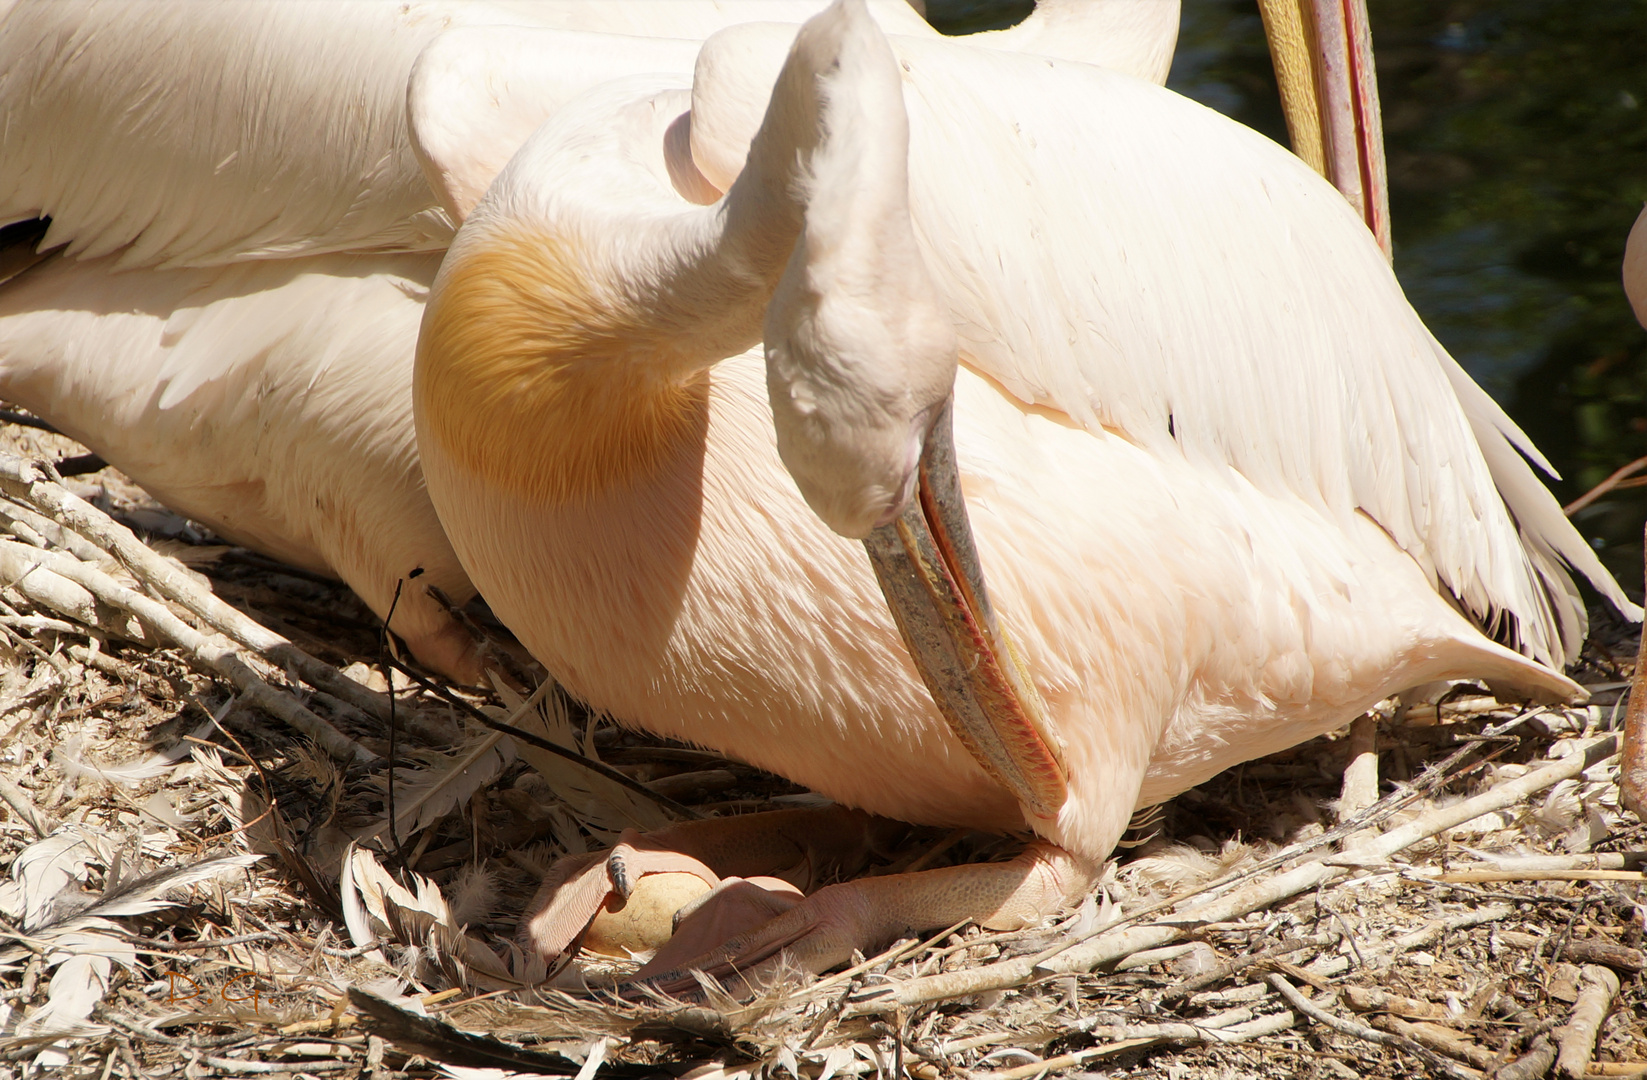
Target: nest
213	872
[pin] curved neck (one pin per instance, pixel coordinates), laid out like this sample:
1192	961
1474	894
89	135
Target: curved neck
566	339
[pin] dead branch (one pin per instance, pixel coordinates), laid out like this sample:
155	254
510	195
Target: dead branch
1584	950
1439	1039
211	653
21	480
1112	944
1617	477
1533	1064
1361	1031
1372	999
1577	1040
1241	963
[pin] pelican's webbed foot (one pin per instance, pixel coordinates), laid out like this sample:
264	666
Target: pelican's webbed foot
729	874
825	929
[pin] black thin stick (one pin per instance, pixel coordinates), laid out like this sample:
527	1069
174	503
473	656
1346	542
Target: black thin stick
598	767
385	658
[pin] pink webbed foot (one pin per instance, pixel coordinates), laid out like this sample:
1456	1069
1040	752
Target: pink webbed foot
735	906
624	901
825	929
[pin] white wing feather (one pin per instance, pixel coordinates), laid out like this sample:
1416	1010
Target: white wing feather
189	134
477	93
268	399
1176	278
1149	267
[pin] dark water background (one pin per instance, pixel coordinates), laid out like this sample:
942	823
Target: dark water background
1516	133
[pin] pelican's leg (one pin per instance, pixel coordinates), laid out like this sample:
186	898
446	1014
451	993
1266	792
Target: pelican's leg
866	915
801	847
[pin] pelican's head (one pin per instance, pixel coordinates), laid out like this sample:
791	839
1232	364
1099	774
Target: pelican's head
860	354
859	361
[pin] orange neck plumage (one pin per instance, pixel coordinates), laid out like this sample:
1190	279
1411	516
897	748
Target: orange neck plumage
528	381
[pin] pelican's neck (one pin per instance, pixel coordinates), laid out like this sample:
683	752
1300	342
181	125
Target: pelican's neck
566	342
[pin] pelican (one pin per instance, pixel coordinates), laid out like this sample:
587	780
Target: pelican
1228	490
247	204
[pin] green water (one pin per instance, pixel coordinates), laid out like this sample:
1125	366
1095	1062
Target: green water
1517	142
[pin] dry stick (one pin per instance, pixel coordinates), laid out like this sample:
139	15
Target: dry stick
1439	1038
1594	860
1372	999
1362	1031
23	481
211	652
1063	1061
25	569
1584	950
1112	945
1577	1040
25	521
1137	1036
1465	877
18	799
1604	487
1241	963
1533	1064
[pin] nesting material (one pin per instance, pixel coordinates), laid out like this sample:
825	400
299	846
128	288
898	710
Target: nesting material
204	874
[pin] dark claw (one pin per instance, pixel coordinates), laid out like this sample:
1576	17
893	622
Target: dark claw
618	871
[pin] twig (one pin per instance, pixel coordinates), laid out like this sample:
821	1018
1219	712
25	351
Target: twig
1604	487
213	653
1427	934
1114	943
1361	1031
258	1068
1062	1061
19	800
1440	1039
1577	1040
1595	860
1372	999
1533	1064
1584	951
1241	963
1465	877
23	481
12	416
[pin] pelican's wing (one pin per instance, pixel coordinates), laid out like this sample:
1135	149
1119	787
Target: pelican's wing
193	132
477	93
1160	272
268	399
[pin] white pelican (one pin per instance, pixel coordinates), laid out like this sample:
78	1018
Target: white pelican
247	204
1228	490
